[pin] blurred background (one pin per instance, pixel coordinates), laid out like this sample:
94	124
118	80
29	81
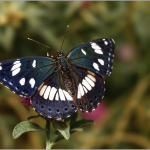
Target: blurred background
122	120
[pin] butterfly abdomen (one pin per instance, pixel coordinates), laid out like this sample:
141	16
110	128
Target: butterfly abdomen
70	85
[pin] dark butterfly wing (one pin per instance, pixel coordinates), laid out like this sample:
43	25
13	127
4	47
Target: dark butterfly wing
24	75
96	56
90	89
52	98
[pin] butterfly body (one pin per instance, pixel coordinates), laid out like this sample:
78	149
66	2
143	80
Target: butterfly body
58	87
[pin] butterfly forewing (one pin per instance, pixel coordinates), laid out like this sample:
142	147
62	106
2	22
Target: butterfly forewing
96	56
24	75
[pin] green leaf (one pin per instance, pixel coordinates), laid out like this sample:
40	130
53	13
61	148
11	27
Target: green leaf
60	137
72	119
71	131
25	126
76	129
63	128
81	123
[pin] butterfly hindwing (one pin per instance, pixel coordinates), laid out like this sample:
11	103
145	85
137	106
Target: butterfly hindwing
96	56
90	89
52	98
24	75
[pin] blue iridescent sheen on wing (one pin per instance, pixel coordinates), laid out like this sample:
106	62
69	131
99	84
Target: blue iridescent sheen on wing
24	75
96	56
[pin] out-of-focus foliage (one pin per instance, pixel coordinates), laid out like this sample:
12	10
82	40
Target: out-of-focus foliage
126	123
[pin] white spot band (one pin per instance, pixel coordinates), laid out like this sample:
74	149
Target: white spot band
32	82
22	81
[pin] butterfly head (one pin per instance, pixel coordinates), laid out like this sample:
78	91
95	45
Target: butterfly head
59	55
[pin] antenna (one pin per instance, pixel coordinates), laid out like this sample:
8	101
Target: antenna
40	43
64	37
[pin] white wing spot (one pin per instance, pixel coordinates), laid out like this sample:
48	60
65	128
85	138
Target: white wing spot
46	94
106	43
16	71
91	77
52	93
34	63
40	86
91	73
96	48
83	51
86	84
95	65
57	97
32	82
43	90
61	94
0	67
16	62
15	66
68	97
103	39
80	89
98	51
22	81
90	81
85	89
101	61
79	95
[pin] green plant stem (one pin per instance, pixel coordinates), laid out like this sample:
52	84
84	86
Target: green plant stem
48	144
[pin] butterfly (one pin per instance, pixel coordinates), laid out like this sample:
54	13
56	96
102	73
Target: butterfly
58	87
